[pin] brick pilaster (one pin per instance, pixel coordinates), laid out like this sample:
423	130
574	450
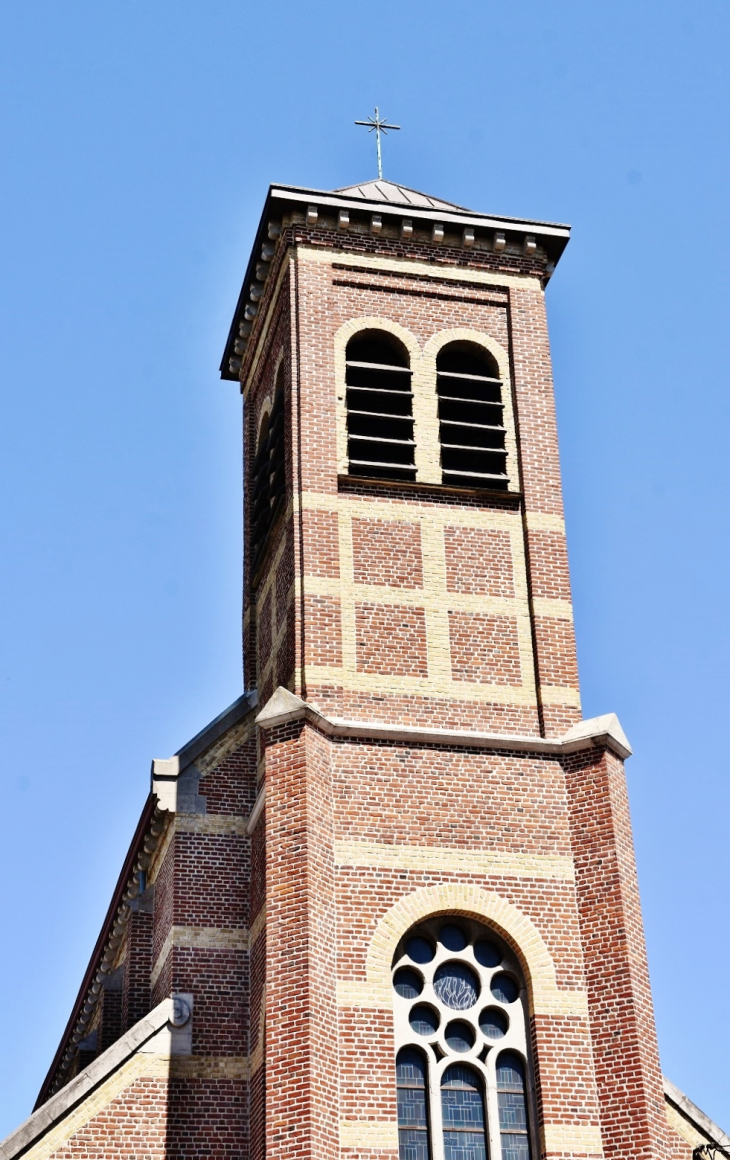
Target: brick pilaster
633	1119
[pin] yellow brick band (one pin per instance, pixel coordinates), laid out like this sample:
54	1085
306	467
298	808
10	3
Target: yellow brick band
233	1067
201	938
545	522
406	266
441	859
220	825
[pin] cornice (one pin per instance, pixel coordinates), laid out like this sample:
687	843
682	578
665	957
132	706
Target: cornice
603	732
286	206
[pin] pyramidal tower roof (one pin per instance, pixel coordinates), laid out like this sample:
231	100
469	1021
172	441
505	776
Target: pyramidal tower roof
393	194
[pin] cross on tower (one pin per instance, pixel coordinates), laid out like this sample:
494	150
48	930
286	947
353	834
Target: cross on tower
380	126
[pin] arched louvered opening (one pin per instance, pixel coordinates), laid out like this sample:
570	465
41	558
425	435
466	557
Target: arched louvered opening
471	417
462	1110
268	474
412	1087
380	441
512	1101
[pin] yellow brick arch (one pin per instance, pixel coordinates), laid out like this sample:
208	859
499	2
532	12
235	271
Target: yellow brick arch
267	403
467	334
489	907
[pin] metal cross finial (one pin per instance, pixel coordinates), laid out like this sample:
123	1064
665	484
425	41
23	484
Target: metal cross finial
379	127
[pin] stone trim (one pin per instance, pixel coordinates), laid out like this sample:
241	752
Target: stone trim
447	212
702	1123
216	729
104	956
598	732
256	811
50	1114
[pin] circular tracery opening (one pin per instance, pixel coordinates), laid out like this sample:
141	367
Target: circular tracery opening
456	985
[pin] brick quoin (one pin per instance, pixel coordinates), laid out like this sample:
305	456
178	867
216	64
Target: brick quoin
410	745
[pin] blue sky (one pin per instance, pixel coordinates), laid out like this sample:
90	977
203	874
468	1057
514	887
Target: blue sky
137	142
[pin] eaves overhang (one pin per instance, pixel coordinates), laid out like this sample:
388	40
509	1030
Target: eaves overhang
553	237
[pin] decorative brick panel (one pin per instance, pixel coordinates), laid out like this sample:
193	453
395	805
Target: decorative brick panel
479	561
321	538
387	552
391	638
484	648
323	640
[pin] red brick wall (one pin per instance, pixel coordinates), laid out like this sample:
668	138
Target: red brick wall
479	561
391	639
301	1041
137	968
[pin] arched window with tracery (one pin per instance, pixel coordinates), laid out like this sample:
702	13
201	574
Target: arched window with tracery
471	417
268	472
462	1061
379	398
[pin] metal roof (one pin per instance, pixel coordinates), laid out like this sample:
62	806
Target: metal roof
388	191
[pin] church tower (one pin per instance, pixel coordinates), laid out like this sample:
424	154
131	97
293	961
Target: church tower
385	906
431	801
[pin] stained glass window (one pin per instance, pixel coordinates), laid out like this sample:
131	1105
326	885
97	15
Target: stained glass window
462	1109
408	983
424	1020
504	988
462	1035
512	1107
411	1075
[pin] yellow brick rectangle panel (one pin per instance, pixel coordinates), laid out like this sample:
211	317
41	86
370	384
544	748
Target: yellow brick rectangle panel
368	1134
572	1139
211	1067
223	825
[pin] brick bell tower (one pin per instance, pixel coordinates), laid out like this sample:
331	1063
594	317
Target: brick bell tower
429	798
385	906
